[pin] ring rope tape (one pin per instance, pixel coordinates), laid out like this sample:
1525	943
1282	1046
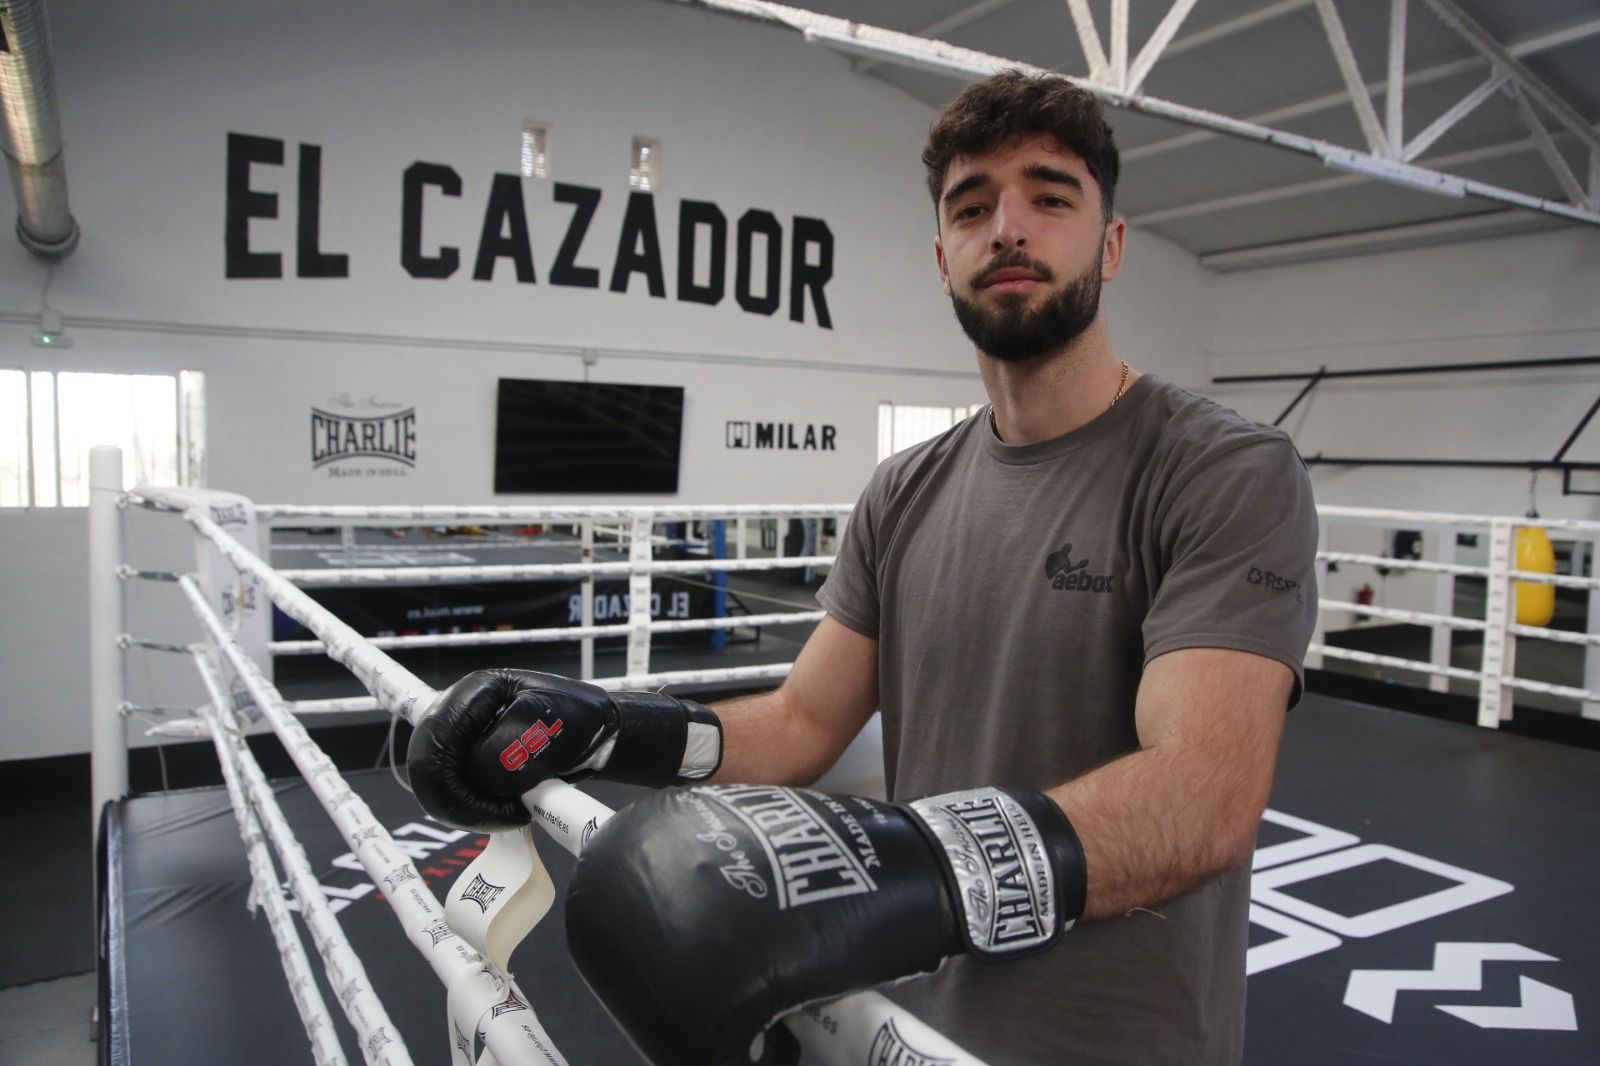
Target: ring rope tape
465	972
266	887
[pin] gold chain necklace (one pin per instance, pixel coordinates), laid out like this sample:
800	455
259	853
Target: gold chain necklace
1121	385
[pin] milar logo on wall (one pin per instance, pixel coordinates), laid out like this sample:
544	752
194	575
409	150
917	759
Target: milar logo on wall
783	436
360	429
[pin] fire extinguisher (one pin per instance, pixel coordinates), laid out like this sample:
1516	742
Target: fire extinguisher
1364	596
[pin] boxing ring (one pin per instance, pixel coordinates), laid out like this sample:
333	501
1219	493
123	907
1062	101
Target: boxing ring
467	941
498	899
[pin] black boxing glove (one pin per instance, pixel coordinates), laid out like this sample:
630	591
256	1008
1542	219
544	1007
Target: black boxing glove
700	915
495	734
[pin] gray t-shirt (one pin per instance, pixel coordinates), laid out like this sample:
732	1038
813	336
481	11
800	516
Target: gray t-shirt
1016	594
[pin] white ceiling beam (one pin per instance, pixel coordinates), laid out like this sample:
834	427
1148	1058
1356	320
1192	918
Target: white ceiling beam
1089	39
1220	204
1119	43
1360	99
854	38
1157	44
1528	46
1391	238
1463	107
1199	209
1237	25
1544	42
1552	155
937	30
1480	39
1394	99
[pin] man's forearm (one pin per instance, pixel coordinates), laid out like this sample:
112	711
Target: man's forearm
764	741
1158	823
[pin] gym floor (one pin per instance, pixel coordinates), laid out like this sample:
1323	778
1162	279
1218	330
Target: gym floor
1401	856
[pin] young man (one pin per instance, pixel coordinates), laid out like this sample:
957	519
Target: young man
1098	591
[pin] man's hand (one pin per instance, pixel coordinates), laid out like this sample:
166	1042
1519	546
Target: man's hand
699	915
495	734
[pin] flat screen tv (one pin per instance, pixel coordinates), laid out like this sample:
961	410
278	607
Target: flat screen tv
579	437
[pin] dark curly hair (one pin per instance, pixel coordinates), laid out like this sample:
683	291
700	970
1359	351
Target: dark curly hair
1013	105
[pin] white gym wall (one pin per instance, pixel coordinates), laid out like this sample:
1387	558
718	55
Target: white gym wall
748	117
1507	299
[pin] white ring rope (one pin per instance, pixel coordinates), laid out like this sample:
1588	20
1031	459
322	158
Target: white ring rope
344	705
1432	518
560	633
434	516
128	640
398	689
465	575
1416	666
336	554
340	962
1385	562
769	672
1560	636
1564	691
461	969
666	678
1458	569
190	727
1371	659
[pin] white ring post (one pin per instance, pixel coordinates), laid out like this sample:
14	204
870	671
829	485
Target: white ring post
108	737
639	555
1493	705
586	599
1591	654
1313	660
1444	603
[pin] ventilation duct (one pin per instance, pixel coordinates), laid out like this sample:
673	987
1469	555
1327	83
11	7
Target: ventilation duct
30	131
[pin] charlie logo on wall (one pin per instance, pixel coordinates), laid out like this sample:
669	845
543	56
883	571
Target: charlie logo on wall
355	431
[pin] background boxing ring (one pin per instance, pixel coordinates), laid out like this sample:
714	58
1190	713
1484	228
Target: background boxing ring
477	983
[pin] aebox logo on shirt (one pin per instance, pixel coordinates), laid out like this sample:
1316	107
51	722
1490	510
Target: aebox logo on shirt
1068	576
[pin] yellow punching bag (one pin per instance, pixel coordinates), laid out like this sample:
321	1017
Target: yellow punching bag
1536	604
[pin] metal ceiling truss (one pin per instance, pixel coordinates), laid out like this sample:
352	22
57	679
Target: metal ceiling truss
965	16
1118	81
1318	186
1328	101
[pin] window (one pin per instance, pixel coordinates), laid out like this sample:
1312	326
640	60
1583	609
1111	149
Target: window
643	171
535	150
14	444
50	420
902	425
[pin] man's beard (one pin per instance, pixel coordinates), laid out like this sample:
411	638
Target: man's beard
1011	332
